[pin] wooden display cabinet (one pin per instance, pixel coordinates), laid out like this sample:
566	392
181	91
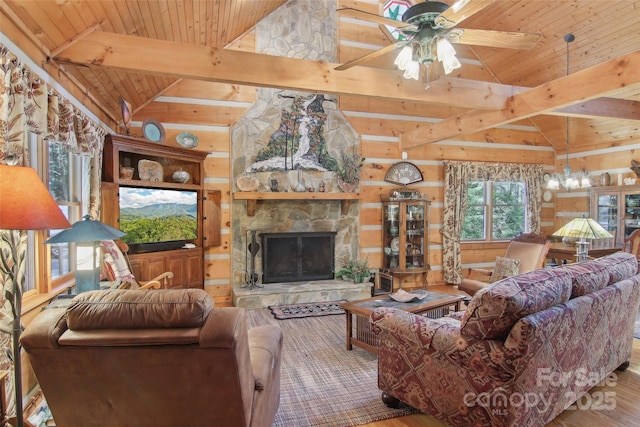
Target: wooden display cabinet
617	209
405	225
186	264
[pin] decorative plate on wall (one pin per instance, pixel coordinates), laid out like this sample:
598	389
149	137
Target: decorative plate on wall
403	173
187	140
153	130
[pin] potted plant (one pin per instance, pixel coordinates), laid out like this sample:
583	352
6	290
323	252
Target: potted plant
355	270
349	171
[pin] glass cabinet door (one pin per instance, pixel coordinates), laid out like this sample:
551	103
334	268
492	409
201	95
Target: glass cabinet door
607	212
391	235
414	235
631	213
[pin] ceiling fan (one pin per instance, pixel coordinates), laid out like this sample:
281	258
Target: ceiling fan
427	30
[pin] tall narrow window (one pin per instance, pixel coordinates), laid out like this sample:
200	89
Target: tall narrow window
65	173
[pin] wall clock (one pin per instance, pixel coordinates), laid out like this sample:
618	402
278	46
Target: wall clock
403	173
404	193
153	130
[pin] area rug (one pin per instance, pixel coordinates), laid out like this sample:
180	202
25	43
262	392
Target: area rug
323	384
309	309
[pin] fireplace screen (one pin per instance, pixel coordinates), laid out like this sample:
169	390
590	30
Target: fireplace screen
294	257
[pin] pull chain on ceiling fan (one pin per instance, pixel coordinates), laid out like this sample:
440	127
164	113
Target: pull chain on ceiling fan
427	33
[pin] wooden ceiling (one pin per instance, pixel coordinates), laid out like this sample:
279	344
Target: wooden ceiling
112	48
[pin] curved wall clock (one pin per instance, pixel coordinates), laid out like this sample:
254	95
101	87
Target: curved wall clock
403	173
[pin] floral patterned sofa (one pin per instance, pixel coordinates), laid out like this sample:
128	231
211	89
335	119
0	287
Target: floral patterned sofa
525	349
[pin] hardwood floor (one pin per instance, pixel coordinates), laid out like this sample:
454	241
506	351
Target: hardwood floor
625	413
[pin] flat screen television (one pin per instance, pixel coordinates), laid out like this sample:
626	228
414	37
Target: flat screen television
157	219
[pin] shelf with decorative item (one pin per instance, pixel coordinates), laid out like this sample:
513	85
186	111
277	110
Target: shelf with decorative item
252	197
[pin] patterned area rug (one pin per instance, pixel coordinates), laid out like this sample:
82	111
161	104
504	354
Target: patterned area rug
309	309
323	384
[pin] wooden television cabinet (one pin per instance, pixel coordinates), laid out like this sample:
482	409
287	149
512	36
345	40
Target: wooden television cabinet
186	264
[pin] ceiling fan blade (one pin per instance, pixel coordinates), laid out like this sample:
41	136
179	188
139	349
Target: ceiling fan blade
506	39
461	10
372	17
369	56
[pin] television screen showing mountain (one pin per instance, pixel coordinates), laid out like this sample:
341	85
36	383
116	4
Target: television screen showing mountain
150	215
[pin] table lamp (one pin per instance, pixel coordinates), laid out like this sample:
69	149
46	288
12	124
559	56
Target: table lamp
582	229
87	235
25	204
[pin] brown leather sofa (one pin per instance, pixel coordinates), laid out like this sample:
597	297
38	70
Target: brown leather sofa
160	358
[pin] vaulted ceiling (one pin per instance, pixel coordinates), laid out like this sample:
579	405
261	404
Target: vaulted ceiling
138	49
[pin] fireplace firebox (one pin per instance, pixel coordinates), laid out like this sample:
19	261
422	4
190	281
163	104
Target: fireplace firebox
295	257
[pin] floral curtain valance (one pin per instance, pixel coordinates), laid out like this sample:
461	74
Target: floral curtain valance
458	174
28	104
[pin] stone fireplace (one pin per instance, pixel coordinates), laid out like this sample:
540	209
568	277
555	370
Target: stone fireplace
302	29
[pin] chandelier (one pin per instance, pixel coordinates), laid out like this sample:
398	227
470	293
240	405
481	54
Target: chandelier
570	180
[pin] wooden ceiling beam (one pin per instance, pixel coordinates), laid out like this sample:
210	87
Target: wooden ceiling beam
75	39
621	73
159	57
610	108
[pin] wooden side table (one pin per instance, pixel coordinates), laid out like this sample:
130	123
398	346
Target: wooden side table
561	254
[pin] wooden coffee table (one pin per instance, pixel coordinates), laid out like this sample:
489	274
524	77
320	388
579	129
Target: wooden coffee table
434	305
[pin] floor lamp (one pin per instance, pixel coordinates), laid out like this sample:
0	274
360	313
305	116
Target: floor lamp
25	204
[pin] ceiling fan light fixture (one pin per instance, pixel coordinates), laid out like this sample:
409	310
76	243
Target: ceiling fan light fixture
404	61
412	71
447	55
404	57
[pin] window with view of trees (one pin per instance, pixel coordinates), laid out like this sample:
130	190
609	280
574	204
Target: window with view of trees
495	210
64	173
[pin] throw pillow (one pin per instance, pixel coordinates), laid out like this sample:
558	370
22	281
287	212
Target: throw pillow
505	267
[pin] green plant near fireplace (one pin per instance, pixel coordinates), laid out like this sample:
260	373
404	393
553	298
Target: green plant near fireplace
355	270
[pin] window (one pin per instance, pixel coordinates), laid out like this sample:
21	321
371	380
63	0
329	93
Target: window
495	210
48	266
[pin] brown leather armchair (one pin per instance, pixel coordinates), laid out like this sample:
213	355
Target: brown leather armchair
530	248
162	358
